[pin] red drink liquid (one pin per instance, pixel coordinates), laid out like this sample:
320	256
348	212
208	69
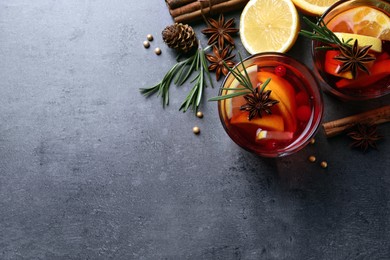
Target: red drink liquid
359	17
293	121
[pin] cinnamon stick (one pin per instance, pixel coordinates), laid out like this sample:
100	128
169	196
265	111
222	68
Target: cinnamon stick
376	116
194	6
226	6
172	4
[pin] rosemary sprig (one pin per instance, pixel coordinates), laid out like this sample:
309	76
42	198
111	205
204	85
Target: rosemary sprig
322	34
162	88
258	101
195	95
352	57
244	81
179	74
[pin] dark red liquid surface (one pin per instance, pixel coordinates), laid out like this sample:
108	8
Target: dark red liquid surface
364	86
301	96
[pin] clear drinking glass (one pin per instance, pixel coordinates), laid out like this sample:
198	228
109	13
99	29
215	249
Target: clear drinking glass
294	120
362	17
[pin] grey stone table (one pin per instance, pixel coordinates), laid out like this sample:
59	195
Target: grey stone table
90	169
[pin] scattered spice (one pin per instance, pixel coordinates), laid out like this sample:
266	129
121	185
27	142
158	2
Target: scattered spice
146	44
219	31
324	164
196	130
157	51
218	59
312	141
149	37
199	114
364	136
312	158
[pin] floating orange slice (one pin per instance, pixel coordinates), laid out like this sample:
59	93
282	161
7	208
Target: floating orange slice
284	92
269	122
364	21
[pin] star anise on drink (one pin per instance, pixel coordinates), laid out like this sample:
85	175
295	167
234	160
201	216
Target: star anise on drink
218	59
258	102
354	58
219	31
364	136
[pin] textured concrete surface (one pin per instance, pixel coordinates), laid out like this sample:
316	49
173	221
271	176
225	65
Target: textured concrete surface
89	169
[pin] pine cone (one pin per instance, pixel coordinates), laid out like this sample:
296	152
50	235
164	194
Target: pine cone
180	37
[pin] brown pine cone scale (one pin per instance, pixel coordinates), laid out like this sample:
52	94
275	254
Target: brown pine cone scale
180	37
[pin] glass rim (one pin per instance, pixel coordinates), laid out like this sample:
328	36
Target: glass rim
304	138
328	88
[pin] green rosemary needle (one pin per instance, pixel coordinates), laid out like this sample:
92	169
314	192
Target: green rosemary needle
352	57
322	34
179	74
243	79
257	99
195	95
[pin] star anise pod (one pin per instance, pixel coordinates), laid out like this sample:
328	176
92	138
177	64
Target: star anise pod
258	102
219	31
364	136
354	58
217	60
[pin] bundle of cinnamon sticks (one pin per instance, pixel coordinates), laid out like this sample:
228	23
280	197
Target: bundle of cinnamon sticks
185	11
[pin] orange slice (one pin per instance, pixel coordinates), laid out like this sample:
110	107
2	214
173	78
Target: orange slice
332	66
363	40
284	92
269	122
379	70
269	25
235	103
314	7
364	21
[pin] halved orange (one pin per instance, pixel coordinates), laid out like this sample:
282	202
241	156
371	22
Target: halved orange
362	20
314	7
